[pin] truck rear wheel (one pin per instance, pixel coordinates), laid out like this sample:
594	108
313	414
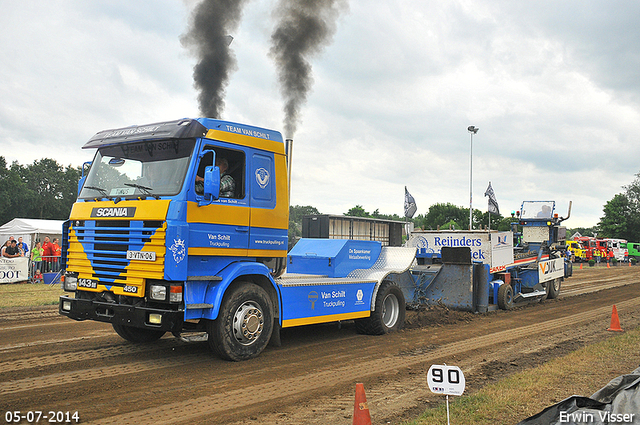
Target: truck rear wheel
505	297
389	313
137	335
244	324
553	288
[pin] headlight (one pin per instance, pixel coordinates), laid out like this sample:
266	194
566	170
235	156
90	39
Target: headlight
70	283
158	292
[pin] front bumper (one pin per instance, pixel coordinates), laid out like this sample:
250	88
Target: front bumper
120	314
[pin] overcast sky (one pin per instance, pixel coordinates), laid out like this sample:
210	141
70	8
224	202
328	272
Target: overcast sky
553	87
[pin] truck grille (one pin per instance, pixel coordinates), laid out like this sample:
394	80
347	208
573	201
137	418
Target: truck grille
98	250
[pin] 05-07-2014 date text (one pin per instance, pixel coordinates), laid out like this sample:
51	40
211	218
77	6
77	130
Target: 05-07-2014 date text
36	416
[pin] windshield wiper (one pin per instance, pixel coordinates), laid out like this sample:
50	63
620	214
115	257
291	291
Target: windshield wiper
99	189
145	189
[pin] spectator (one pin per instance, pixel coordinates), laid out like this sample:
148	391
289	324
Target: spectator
23	246
4	247
37	277
36	257
12	250
57	251
47	254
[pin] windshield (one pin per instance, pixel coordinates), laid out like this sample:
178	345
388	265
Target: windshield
537	209
138	169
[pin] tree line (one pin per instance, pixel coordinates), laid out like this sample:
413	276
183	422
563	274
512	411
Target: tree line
43	190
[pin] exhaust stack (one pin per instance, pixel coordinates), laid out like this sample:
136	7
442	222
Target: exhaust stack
289	153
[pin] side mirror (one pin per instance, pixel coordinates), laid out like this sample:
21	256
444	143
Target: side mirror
83	177
211	185
212	182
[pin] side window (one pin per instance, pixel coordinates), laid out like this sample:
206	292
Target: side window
232	166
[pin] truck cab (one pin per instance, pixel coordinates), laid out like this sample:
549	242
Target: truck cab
618	249
633	249
577	251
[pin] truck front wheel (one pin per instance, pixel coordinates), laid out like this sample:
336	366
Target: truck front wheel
244	324
137	335
389	313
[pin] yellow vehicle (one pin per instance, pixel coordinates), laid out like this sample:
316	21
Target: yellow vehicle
578	253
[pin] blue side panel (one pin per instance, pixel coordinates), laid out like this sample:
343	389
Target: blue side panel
176	258
357	255
332	257
209	235
274	239
325	300
263	187
177	241
528	278
210	265
325	248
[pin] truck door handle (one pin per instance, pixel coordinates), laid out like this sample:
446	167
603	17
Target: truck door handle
243	229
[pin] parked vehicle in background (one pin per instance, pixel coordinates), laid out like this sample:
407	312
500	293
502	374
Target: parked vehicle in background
617	250
586	246
633	249
578	252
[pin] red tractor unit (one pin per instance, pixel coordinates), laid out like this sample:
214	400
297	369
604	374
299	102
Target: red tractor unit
586	244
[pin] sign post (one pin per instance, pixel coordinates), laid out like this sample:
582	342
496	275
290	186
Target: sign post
448	380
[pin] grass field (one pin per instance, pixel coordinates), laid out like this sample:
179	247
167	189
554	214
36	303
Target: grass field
526	393
29	295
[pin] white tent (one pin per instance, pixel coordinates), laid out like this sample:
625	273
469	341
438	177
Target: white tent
31	230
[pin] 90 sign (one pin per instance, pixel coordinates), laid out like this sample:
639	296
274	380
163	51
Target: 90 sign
443	379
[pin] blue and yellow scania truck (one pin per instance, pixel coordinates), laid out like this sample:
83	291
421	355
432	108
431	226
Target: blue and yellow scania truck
153	245
182	227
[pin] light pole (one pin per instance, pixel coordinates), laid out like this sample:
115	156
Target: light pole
472	130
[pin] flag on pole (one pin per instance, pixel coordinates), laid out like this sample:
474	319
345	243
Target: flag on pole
493	203
409	204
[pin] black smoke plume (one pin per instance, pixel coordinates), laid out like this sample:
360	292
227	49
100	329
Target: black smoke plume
304	28
211	22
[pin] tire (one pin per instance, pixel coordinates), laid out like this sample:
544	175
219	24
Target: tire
244	324
389	313
137	335
505	297
553	288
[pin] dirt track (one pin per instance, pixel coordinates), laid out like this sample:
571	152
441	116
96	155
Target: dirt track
51	363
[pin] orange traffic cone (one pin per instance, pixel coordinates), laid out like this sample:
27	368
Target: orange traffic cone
615	321
580	265
608	266
361	414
